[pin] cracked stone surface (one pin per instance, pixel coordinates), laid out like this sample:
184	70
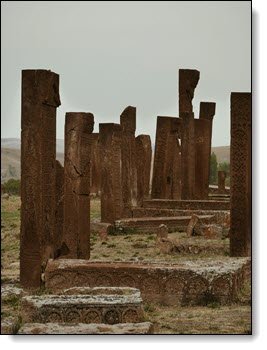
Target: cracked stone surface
81	328
188	283
76	224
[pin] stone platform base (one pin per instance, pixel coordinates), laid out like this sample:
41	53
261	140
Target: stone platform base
187	204
195	282
87	305
82	328
149	224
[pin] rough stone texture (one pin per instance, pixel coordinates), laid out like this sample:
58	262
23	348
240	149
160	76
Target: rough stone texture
207	111
188	156
188	79
162	232
187	204
221	181
76	226
128	160
82	328
111	183
102	228
188	283
202	157
192	223
193	246
222	215
166	181
143	165
8	325
40	98
95	175
147	224
83	308
240	173
59	207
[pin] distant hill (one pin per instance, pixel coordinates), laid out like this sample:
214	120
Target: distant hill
222	153
10	157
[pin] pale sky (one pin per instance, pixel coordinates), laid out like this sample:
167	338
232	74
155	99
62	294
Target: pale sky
113	54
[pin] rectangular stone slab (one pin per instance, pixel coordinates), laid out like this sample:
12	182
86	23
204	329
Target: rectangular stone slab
83	308
188	283
187	204
148	224
82	328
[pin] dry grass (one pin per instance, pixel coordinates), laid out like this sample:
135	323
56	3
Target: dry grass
234	319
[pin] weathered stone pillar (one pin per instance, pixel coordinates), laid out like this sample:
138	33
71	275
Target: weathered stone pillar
202	158
128	160
188	79
143	165
59	207
166	181
40	98
76	228
188	156
95	175
111	183
221	181
240	174
207	111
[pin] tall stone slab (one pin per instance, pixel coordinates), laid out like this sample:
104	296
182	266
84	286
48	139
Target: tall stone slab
166	181
202	157
128	160
110	135
188	80
207	111
221	181
40	98
59	207
143	166
95	176
188	156
76	227
240	174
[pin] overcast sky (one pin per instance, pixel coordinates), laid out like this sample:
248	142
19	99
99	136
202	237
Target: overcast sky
113	54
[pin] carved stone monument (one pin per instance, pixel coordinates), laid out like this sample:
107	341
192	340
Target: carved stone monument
240	174
143	166
59	207
221	181
40	99
166	182
95	174
76	227
128	160
188	80
111	177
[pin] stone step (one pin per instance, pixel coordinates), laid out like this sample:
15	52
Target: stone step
187	204
139	212
83	328
87	307
191	282
149	224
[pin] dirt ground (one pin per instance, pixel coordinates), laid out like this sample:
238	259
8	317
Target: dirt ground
210	319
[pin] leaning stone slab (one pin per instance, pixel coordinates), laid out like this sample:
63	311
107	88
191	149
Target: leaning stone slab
82	328
187	283
84	308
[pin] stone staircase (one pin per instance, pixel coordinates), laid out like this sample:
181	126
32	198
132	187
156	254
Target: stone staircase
101	310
